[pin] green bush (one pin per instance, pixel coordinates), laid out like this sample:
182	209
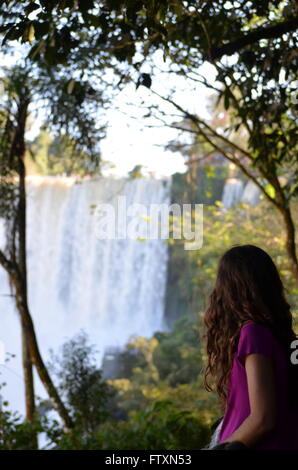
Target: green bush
159	427
14	433
177	357
88	396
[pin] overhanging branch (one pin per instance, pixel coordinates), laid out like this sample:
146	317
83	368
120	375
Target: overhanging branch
200	122
269	32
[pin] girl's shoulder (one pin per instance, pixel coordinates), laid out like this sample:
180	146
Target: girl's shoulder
257	330
256	338
252	326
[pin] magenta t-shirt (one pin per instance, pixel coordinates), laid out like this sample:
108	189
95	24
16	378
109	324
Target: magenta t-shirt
258	339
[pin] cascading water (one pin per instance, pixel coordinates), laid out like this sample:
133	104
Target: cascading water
235	192
232	192
111	289
251	194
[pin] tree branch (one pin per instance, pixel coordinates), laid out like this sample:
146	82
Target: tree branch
9	266
197	121
260	33
237	162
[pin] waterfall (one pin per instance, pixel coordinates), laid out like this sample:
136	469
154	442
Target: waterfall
235	192
111	289
251	193
232	192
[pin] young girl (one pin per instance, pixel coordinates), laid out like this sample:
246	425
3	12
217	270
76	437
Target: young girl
249	347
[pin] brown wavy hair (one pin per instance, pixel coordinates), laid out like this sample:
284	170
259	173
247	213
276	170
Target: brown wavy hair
248	287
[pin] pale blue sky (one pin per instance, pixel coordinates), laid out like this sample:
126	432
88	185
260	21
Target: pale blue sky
129	141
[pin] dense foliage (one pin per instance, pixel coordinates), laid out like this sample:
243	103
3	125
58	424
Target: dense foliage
259	81
156	398
192	273
71	51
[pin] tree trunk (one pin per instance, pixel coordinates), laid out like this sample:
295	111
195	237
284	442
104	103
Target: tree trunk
290	239
32	353
19	148
284	207
36	356
28	378
29	388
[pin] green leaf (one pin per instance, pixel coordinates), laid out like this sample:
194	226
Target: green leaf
270	190
31	32
70	86
28	33
31	7
14	33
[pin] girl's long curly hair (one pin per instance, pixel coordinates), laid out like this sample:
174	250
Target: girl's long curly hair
247	287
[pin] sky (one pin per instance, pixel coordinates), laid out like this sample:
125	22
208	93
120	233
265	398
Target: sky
129	140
